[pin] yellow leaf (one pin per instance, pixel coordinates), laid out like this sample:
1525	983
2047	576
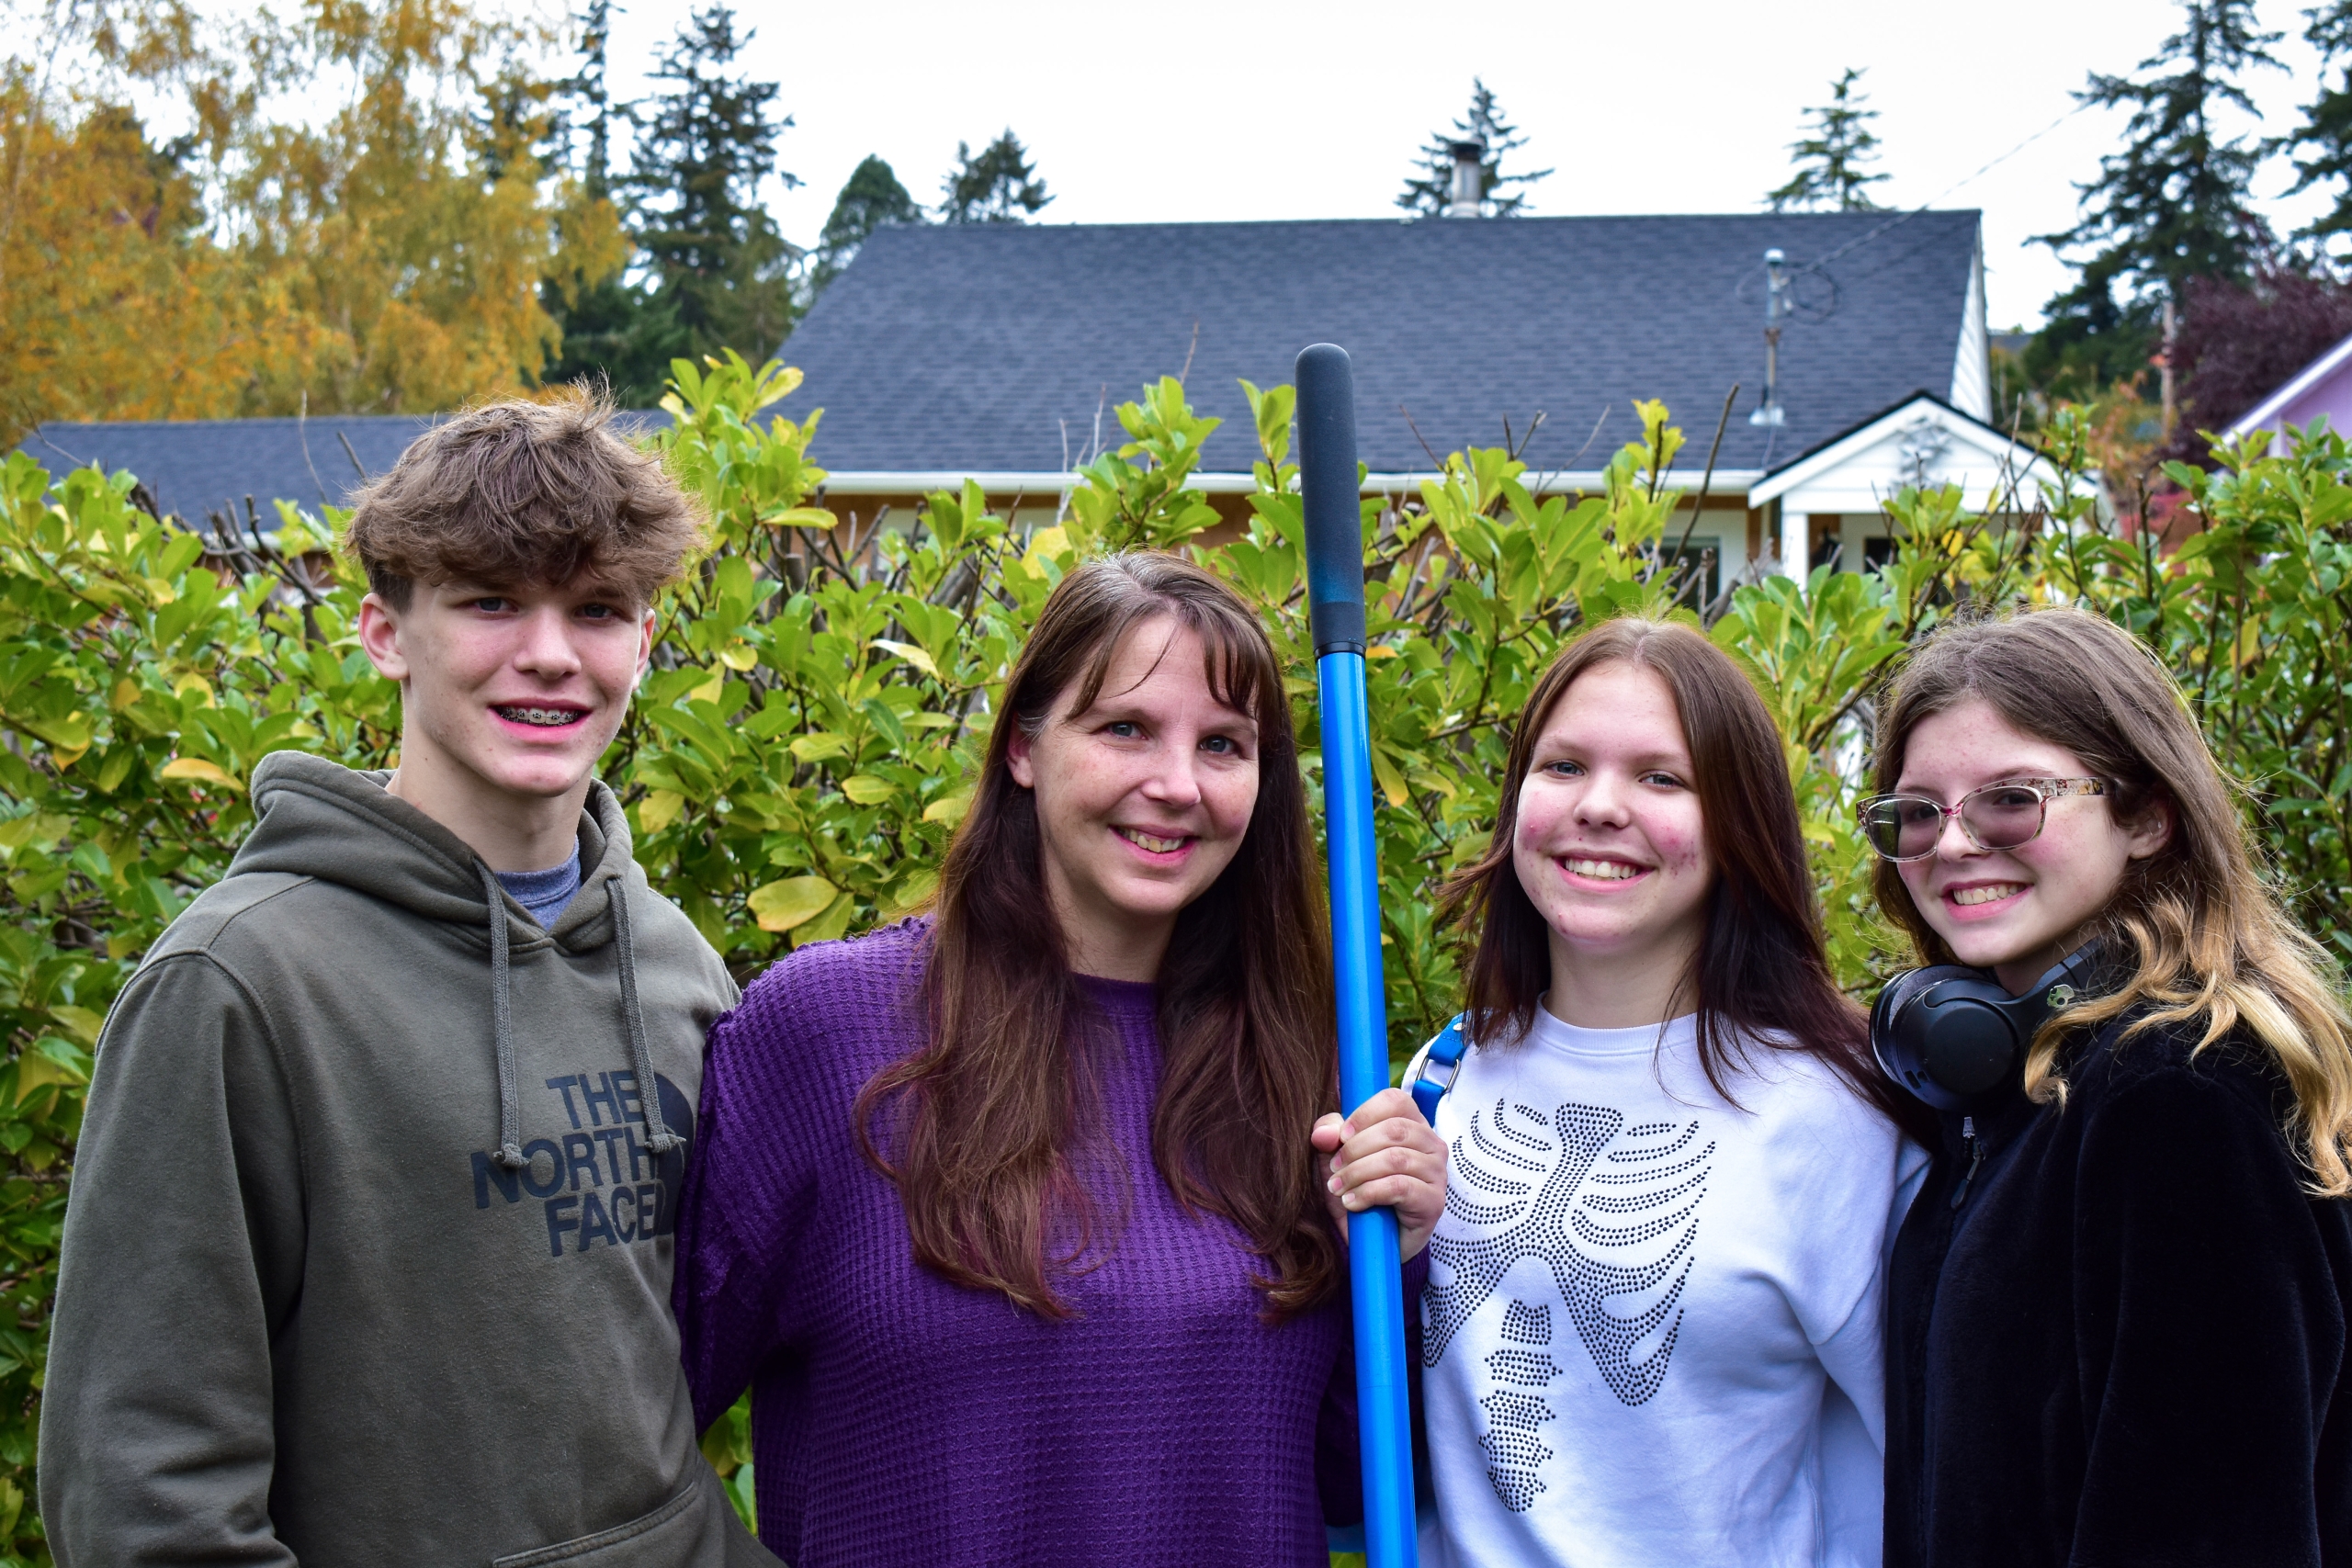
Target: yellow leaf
867	790
659	809
804	517
915	891
197	768
708	691
38	1070
1391	781
949	808
69	734
795	901
911	653
816	747
82	1023
1380	650
126	691
1439	783
192	681
739	659
1044	546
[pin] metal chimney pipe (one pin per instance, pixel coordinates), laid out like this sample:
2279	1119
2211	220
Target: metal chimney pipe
1776	310
1468	196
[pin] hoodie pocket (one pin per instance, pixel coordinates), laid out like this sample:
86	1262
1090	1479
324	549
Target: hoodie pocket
665	1536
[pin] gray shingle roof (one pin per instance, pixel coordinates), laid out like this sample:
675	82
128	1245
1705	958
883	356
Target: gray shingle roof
973	346
194	466
199	466
976	347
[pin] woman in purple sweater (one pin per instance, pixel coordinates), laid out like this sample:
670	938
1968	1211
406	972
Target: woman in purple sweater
1008	1216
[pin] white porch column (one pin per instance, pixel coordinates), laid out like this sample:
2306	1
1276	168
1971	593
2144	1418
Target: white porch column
1796	544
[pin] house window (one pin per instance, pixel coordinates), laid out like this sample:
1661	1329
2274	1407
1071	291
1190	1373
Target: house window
1700	557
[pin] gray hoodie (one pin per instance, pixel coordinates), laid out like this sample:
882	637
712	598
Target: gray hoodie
368	1255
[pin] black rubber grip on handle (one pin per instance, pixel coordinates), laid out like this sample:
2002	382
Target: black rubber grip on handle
1326	480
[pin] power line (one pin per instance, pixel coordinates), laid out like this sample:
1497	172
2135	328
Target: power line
1929	205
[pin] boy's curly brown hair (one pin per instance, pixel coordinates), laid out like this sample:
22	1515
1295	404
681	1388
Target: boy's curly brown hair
513	493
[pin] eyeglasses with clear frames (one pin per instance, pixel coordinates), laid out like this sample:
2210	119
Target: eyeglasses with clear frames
1998	816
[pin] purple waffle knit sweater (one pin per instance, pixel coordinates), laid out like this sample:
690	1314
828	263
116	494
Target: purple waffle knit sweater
900	1419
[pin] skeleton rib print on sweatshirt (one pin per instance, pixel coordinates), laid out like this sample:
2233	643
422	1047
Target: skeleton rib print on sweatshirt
1651	1331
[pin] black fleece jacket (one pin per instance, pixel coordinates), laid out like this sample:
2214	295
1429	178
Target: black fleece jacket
2121	1344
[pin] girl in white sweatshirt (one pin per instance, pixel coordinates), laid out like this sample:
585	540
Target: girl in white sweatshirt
1651	1332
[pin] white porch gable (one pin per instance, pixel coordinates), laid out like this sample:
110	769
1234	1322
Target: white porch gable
1922	442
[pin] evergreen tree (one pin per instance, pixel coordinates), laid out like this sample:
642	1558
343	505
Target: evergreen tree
705	144
590	110
1432	191
2172	205
997	187
1828	164
615	328
2326	135
873	198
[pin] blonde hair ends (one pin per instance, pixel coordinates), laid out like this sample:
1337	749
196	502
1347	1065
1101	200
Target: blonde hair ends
2211	947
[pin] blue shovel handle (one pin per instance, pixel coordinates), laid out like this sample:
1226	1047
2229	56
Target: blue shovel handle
1326	463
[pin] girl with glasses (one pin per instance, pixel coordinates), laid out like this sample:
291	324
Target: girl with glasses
1652	1325
2117	1311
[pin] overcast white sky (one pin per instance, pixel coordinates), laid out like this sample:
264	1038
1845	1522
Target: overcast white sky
1225	109
1206	110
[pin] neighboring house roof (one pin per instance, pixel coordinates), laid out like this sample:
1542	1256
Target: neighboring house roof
1922	440
196	466
2311	390
999	348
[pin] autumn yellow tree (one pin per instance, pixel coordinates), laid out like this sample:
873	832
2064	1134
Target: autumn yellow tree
113	302
355	218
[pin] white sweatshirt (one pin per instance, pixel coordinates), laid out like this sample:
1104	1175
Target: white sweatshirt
1651	1333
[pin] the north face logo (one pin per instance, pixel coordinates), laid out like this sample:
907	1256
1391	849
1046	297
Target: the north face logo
600	1183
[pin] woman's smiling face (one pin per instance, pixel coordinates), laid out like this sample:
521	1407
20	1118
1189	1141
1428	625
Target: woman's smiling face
1143	798
1610	843
2019	911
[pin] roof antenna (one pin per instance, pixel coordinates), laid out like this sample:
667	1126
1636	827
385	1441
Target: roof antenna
1466	197
1776	310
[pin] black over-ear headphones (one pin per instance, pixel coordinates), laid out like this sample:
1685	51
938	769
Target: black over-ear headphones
1954	1036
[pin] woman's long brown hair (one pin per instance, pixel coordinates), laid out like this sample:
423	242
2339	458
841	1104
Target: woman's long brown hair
1761	976
989	1128
2207	941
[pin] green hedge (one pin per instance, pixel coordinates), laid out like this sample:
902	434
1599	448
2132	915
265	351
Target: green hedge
806	741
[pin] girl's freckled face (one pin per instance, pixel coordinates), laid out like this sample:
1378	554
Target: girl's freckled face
2014	911
1610	842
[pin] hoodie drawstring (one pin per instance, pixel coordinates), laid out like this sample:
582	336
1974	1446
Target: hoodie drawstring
658	1136
501	1027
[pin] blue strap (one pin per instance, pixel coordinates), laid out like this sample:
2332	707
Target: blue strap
1445	1052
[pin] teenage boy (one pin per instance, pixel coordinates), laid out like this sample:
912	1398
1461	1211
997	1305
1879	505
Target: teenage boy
368	1255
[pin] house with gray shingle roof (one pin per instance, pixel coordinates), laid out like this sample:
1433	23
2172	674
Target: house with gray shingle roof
999	351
